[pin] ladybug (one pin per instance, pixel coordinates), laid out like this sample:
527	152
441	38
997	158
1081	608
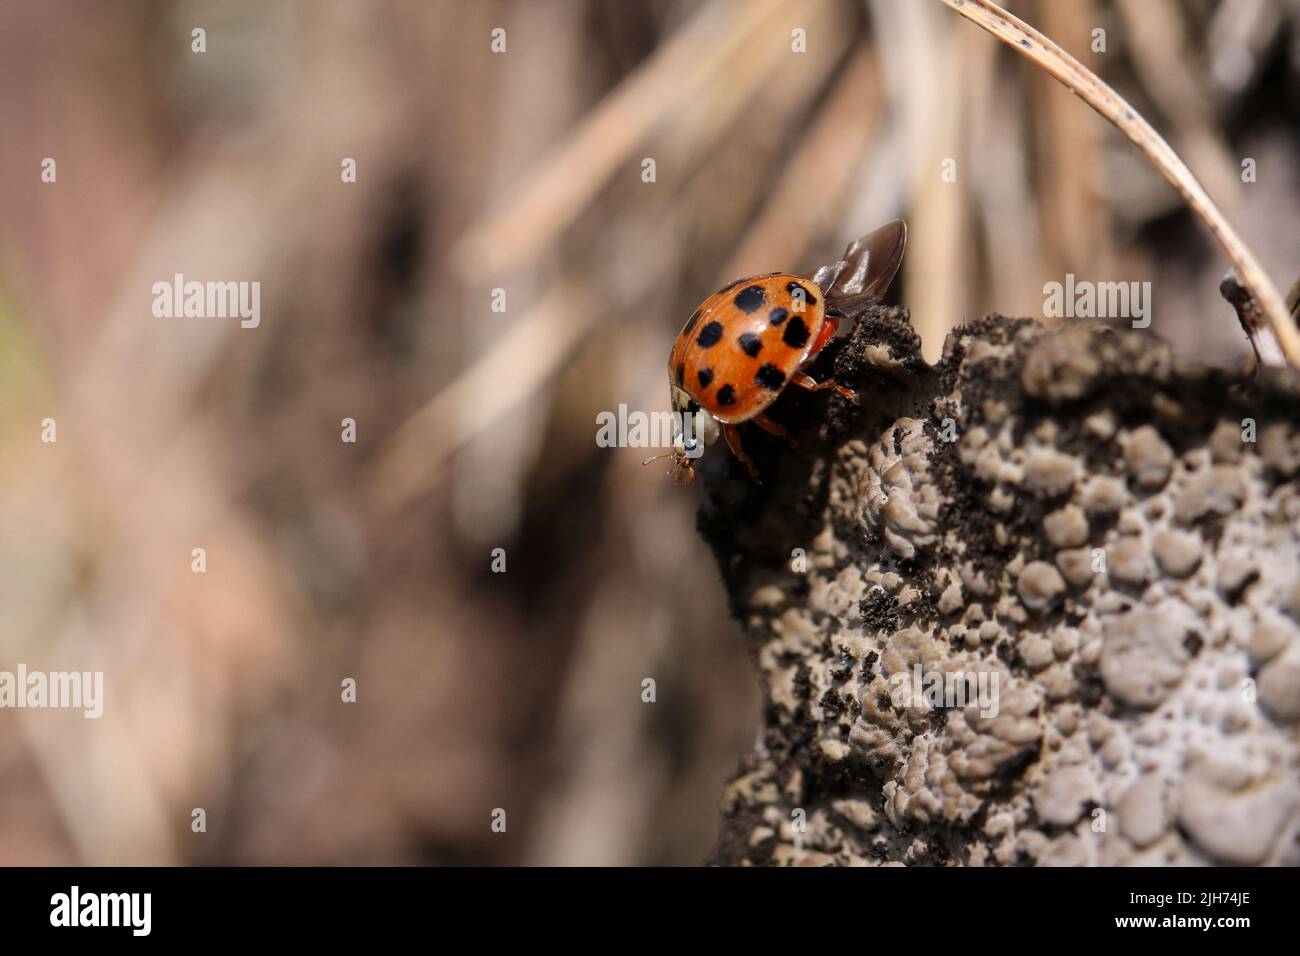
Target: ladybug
749	340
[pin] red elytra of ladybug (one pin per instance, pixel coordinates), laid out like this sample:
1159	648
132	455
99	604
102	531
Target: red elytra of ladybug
753	337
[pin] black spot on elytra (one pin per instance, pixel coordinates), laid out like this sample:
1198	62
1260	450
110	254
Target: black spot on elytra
750	344
709	335
680	373
706	377
690	323
796	334
726	395
750	299
799	292
778	316
770	377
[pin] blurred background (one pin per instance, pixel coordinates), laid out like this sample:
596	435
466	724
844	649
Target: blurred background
523	171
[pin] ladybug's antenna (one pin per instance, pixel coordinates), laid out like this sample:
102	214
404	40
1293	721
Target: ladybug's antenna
667	454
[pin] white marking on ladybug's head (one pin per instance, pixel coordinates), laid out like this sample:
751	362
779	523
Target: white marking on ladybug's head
681	399
693	430
693	427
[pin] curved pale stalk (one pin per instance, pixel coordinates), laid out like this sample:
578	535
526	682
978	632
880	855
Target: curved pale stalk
1272	332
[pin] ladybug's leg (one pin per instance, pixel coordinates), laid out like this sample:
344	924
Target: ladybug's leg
773	428
830	325
732	434
810	383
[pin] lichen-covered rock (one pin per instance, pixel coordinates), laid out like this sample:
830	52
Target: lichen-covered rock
1142	811
1050	473
1178	553
1051	611
1238	810
1149	458
1279	685
898	502
1144	656
1130	561
1040	585
1066	527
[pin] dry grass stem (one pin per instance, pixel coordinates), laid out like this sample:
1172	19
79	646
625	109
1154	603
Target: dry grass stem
1279	338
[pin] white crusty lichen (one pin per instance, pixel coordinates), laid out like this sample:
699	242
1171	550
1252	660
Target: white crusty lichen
1109	547
892	488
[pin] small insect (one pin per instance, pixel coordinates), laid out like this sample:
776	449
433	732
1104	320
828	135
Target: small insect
752	338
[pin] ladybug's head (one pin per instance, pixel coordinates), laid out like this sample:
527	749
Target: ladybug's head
685	450
693	429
